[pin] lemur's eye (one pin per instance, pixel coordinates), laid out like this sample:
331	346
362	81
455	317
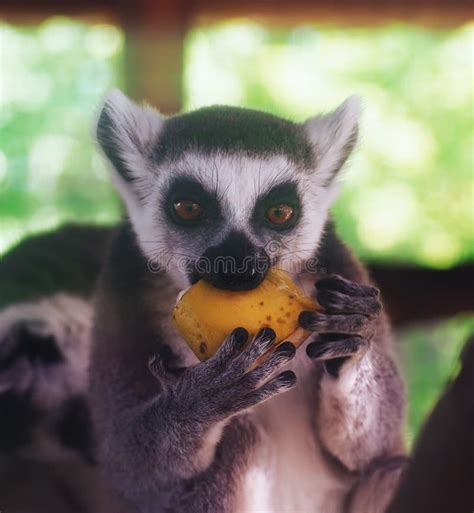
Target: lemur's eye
280	214
188	210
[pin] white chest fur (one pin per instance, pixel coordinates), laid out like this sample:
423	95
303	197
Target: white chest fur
289	473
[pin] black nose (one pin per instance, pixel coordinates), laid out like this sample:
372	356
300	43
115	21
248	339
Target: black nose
230	277
235	264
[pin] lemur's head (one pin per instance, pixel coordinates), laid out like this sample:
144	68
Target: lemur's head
225	191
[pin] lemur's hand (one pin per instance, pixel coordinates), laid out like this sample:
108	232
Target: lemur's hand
234	379
347	324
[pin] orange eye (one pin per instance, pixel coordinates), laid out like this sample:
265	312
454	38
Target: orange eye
280	214
188	210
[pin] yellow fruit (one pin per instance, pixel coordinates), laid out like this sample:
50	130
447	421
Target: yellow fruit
205	315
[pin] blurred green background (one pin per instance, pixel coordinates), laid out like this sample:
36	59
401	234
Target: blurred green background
408	191
53	77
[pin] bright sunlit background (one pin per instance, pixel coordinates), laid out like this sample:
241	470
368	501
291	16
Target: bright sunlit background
408	192
52	79
409	189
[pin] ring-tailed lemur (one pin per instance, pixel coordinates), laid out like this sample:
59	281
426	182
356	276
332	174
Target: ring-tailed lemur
47	452
314	430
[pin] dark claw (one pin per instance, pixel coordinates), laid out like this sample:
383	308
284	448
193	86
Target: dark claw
333	367
240	336
286	379
262	342
286	348
283	382
266	333
282	355
232	346
305	319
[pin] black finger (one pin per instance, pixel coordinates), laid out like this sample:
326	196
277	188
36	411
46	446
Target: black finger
351	288
337	302
232	346
336	349
247	358
281	356
261	343
283	382
333	367
354	324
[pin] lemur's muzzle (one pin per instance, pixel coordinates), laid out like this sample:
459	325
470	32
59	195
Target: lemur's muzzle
235	264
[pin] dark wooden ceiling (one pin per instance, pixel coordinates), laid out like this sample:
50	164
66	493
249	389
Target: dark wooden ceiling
436	12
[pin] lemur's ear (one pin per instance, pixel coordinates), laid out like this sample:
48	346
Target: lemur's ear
127	133
333	136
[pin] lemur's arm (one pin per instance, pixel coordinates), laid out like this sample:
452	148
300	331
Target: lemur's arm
361	394
159	429
188	416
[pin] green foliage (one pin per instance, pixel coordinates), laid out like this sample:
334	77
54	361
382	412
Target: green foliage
408	194
53	78
430	358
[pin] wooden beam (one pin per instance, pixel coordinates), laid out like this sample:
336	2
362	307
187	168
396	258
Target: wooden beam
31	12
342	12
154	51
281	12
417	294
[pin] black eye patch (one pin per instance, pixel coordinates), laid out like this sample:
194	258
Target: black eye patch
185	188
282	194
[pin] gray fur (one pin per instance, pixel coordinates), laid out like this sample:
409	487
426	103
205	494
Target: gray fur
47	452
234	433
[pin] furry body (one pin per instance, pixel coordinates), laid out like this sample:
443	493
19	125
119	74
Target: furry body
315	430
47	449
270	459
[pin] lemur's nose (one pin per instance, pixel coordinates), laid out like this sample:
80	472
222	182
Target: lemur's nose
235	264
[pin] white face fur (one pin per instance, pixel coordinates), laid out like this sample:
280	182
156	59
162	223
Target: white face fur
237	180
